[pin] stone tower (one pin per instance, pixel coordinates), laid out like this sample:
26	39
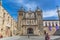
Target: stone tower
29	22
40	20
20	17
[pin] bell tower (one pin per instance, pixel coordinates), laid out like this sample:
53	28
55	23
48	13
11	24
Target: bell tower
20	17
40	20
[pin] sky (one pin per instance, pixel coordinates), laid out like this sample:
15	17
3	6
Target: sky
47	6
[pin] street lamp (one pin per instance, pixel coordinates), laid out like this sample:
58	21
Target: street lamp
58	11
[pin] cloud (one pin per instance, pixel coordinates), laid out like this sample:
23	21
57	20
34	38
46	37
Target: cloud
27	5
20	1
31	5
49	6
50	13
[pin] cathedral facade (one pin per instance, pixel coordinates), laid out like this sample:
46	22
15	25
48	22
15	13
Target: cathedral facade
32	23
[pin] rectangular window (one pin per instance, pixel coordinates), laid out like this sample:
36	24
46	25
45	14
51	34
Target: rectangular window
4	15
3	22
8	18
3	18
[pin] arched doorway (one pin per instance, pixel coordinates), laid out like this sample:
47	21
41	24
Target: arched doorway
29	31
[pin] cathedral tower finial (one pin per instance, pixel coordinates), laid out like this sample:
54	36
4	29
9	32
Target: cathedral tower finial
58	10
21	8
37	9
57	7
29	10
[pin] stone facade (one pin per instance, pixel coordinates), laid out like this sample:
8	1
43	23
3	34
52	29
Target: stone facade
31	23
7	23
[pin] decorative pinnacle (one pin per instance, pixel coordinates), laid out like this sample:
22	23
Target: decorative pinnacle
58	9
37	7
21	9
29	9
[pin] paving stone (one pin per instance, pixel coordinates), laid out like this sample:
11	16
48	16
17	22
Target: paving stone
30	38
